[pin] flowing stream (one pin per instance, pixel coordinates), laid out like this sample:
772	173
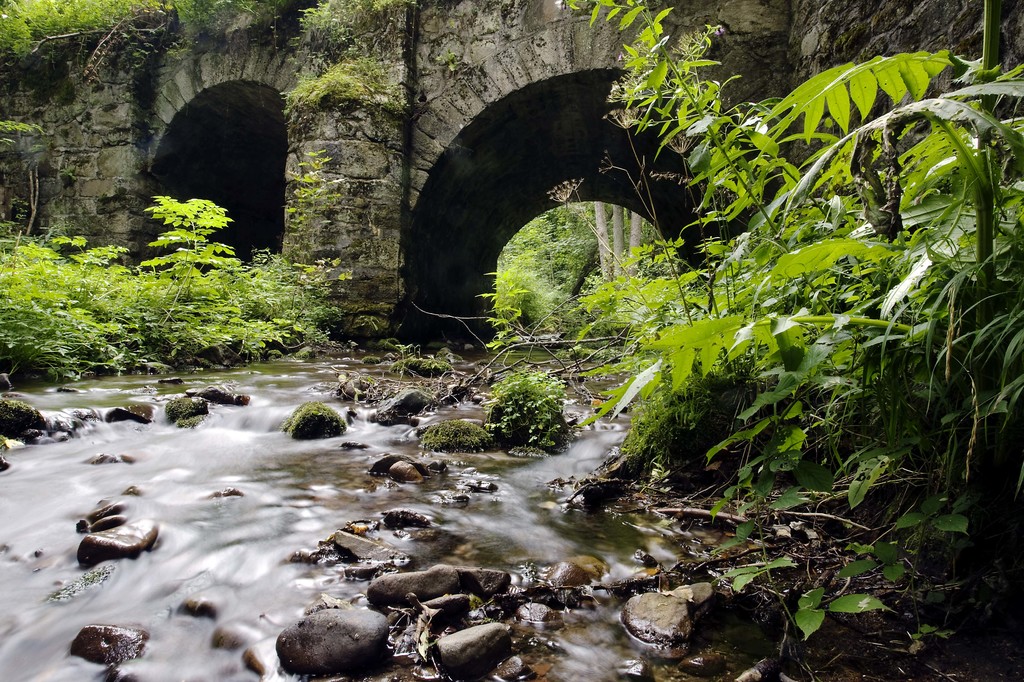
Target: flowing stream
233	550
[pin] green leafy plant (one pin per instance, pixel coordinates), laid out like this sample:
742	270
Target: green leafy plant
355	81
526	410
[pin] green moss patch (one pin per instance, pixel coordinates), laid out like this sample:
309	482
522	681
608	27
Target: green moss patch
456	435
314	420
424	367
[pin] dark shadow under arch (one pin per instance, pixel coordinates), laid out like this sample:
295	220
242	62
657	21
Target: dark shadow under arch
229	145
498	174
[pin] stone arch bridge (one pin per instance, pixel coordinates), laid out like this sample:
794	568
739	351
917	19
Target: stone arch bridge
507	99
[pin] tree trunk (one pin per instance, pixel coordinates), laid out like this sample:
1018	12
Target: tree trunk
636	236
618	225
603	249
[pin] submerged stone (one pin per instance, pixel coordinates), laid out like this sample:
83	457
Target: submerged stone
659	619
93	578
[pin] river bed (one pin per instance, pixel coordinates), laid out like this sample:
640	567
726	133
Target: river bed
233	550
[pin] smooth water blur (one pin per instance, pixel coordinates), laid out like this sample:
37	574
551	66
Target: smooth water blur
234	550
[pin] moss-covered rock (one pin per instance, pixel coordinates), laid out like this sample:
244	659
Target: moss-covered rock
17	417
527	411
456	435
314	420
191	422
372	360
182	409
424	367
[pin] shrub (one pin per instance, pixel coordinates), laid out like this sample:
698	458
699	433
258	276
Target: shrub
424	367
16	417
456	435
527	410
314	420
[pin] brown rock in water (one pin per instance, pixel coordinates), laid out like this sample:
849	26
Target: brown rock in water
390	589
404	518
382	467
199	607
708	664
472	653
333	641
122	414
218	395
124	542
576	571
104	458
109	644
405	472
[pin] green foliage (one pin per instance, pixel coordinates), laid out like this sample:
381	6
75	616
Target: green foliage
456	435
356	81
341	28
69	309
25	22
541	270
314	420
526	409
424	367
17	416
875	292
672	427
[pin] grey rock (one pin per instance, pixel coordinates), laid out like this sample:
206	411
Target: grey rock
124	542
636	670
109	644
474	652
576	571
658	619
405	472
409	402
450	605
333	641
354	548
390	589
484	582
513	669
540	615
105	458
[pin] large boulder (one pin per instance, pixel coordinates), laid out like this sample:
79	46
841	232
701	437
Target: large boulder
218	395
17	417
109	644
333	641
474	652
314	420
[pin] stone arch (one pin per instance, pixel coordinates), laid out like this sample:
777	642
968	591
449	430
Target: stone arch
221	134
499	172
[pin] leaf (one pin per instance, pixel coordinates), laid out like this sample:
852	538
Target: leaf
863	91
839	107
859	567
855	603
639	382
809	620
823	255
909	520
657	76
814	476
886	552
811	600
900	291
792	497
951	523
894	572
